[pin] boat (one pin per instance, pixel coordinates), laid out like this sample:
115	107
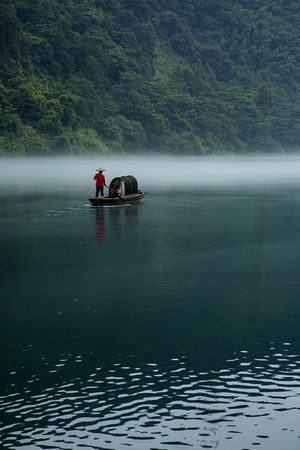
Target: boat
121	190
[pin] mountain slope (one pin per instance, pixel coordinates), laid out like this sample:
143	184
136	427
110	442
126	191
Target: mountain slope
183	77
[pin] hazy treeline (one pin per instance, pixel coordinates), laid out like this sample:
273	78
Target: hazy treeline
177	76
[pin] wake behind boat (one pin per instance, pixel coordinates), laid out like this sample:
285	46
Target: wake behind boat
121	190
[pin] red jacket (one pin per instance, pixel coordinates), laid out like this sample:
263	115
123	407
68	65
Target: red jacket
100	179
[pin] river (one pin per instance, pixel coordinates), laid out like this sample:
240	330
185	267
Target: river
168	324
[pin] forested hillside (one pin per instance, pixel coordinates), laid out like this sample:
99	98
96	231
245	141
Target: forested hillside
176	76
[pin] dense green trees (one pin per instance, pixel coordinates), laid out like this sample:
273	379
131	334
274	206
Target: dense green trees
135	75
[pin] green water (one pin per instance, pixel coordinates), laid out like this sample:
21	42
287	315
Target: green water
169	323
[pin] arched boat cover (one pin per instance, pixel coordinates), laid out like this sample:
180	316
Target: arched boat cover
123	185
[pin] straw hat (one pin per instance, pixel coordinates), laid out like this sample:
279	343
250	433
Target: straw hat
100	169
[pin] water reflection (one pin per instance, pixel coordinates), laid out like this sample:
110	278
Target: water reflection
100	225
116	221
125	217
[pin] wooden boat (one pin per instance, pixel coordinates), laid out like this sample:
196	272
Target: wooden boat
121	190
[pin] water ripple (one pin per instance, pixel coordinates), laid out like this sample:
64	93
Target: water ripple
170	407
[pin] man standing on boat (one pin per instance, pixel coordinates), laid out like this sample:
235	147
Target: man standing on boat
100	182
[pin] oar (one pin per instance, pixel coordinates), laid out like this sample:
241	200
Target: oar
115	192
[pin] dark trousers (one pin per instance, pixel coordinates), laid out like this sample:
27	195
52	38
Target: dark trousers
99	189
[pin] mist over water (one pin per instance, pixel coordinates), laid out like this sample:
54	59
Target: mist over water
152	172
167	324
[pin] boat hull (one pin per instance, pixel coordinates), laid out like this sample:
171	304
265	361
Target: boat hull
119	200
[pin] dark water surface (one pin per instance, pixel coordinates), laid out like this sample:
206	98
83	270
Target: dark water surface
169	324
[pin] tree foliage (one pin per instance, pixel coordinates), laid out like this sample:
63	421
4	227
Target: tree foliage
182	77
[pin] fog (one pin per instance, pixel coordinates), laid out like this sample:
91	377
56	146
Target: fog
152	172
